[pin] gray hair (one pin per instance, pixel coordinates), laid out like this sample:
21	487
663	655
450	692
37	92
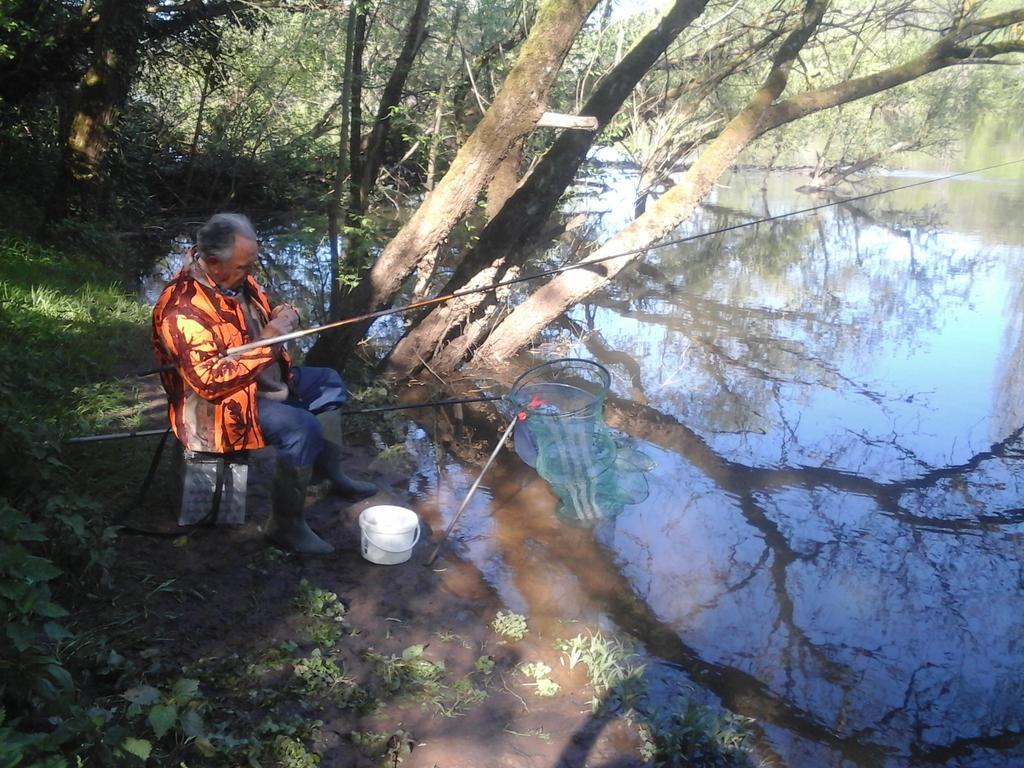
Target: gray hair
216	238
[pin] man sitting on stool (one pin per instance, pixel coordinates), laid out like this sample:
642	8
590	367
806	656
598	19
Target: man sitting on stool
221	404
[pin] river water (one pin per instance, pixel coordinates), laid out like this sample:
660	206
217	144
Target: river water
833	403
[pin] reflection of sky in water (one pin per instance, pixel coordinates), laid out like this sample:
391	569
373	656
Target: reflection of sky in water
911	355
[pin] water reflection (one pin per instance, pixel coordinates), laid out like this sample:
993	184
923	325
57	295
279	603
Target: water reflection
838	396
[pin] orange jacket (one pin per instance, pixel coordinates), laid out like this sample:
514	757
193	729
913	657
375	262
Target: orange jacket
211	398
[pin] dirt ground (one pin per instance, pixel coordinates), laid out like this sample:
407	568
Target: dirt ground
230	601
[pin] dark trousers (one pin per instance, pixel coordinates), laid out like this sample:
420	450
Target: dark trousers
291	425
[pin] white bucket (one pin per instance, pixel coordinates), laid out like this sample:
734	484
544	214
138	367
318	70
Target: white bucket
389	533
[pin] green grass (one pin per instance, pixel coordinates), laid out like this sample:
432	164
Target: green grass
65	328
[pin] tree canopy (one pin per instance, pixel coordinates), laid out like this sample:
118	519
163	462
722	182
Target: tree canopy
111	110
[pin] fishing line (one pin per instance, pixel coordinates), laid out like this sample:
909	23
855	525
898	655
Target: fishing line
586	263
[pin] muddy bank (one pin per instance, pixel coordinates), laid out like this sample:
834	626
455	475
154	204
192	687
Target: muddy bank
411	670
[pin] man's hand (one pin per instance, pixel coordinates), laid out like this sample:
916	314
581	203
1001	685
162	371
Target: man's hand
283	319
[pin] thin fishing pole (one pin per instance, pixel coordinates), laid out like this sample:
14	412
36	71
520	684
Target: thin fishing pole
339	412
472	490
590	262
429	404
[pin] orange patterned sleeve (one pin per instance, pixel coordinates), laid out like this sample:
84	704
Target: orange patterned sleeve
199	358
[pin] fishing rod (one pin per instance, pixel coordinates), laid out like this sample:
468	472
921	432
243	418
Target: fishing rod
339	412
586	263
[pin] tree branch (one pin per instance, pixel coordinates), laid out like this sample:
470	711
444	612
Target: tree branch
947	52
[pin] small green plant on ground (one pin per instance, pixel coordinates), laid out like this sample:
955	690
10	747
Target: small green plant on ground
390	749
413	674
290	753
510	626
408	671
324	612
542	684
322	675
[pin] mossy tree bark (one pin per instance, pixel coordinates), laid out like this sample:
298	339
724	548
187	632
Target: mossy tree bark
760	116
97	105
503	242
515	110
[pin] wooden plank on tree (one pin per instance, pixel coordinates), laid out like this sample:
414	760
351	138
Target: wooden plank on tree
557	120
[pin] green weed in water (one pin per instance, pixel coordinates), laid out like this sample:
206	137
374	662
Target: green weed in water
614	673
682	734
511	626
694	735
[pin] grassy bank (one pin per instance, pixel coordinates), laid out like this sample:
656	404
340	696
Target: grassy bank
65	325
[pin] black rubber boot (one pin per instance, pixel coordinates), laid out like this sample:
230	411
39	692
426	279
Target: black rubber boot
287	527
328	466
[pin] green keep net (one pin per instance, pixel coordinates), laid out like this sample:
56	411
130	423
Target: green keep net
561	432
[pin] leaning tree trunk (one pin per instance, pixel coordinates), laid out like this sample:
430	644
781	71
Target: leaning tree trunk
675	206
528	209
515	110
101	95
391	98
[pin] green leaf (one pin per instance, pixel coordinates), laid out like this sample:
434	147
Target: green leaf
29	533
143	695
61	676
12	590
185	689
162	717
205	746
56	632
21	635
50	610
138	747
38	569
192	724
413	652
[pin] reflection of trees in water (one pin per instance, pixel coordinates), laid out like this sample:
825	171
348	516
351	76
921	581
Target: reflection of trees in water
836	608
297	269
1009	395
874	603
763	320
